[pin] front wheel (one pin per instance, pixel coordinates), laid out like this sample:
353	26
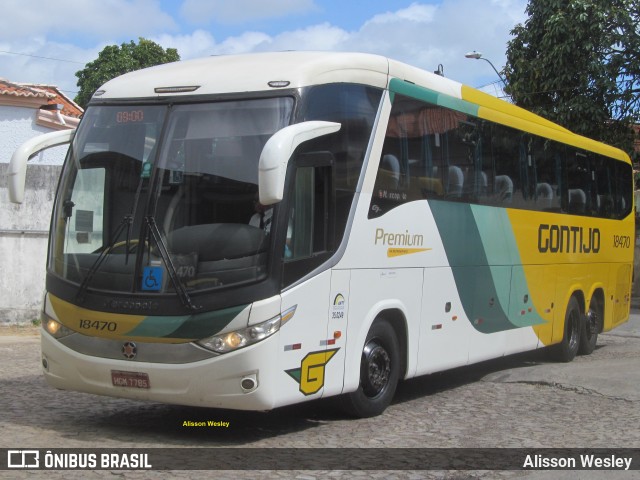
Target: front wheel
379	372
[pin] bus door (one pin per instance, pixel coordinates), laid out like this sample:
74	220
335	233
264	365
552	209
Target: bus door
307	350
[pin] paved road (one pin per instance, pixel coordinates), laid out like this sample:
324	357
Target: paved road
523	401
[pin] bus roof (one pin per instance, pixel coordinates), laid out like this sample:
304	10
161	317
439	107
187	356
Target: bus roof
254	72
250	73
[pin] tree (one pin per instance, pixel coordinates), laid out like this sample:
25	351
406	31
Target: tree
575	62
116	60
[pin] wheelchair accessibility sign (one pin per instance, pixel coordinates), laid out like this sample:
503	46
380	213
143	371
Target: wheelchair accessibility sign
152	278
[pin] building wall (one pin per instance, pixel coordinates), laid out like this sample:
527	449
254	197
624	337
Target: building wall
24	232
17	125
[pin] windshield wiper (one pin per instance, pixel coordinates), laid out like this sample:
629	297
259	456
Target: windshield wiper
126	222
166	258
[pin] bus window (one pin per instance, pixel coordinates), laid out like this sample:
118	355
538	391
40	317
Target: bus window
578	183
85	221
310	218
547	156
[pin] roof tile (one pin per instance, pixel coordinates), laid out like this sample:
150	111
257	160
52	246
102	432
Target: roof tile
50	93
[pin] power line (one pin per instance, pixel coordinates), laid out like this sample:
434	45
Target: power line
45	58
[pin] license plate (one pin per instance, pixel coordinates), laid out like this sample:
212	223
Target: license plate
130	379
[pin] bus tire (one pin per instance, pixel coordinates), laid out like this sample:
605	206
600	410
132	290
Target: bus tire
590	328
379	372
567	349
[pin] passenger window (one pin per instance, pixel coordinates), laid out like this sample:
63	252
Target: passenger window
431	152
578	184
547	157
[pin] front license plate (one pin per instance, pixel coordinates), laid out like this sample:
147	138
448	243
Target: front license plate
130	379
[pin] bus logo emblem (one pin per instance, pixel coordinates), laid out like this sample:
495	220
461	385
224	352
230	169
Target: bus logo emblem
310	375
129	350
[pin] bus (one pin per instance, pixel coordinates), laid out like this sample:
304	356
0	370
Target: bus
253	231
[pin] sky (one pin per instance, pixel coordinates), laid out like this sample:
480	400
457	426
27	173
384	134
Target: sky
45	41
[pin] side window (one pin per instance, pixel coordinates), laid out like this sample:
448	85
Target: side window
547	159
623	200
426	152
310	217
355	107
506	147
432	152
604	183
579	181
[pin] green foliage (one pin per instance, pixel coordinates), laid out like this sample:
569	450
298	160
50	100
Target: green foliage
116	60
575	62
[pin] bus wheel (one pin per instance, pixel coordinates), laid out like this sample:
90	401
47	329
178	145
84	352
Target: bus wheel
590	328
379	372
567	349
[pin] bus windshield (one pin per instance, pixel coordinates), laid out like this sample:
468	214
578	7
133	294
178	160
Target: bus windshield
136	212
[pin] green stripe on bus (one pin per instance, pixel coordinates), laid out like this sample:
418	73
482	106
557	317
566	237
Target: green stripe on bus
482	252
201	325
431	96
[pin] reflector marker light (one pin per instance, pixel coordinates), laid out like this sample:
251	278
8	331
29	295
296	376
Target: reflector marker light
279	83
295	346
177	89
436	327
287	314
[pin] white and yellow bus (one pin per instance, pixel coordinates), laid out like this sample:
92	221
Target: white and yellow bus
254	231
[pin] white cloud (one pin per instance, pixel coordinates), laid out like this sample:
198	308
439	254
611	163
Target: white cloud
66	18
237	11
316	37
38	66
415	13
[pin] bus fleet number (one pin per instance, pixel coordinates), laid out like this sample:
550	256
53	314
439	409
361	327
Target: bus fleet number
98	325
621	241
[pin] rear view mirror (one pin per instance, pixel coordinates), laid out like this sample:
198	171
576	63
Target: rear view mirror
17	171
277	152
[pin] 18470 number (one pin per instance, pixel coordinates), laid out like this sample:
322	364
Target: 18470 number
621	241
98	325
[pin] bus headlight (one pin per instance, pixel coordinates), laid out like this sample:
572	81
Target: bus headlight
227	342
230	341
53	327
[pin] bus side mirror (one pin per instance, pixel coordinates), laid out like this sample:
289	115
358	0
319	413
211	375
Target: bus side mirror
277	152
17	171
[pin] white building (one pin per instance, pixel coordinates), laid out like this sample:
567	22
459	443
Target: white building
28	110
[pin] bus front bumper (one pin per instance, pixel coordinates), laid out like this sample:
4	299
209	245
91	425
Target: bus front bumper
218	382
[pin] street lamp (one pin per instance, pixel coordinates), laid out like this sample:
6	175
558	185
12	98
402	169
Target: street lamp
478	56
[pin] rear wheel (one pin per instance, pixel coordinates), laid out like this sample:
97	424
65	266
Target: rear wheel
379	372
567	349
590	328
